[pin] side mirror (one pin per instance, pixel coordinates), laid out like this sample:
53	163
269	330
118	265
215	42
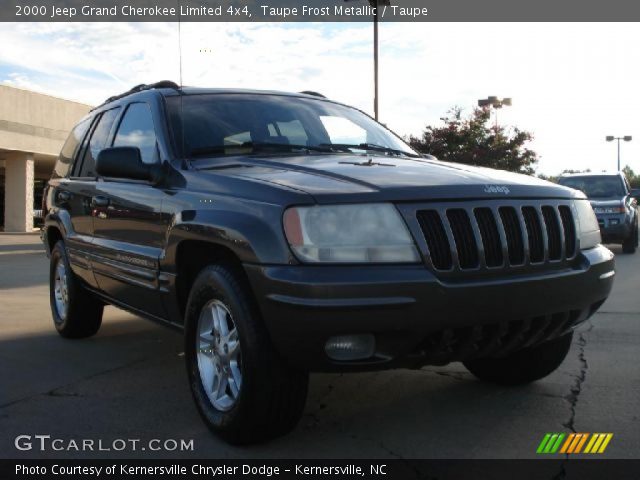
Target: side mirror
635	193
123	162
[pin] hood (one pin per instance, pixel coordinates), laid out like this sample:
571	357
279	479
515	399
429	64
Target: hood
349	178
607	202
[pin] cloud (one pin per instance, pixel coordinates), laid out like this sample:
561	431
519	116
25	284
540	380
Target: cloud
572	84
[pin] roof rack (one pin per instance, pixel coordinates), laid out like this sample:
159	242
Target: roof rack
140	88
315	94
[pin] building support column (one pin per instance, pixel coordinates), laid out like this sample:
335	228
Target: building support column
18	193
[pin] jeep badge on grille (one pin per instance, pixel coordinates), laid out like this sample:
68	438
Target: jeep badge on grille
496	189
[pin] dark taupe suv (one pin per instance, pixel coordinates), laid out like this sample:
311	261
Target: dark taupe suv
287	233
614	203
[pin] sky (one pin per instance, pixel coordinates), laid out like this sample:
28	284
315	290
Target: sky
571	83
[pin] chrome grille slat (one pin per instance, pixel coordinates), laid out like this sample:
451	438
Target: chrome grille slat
464	238
569	228
436	237
452	241
503	235
492	250
515	238
497	235
563	246
554	236
534	234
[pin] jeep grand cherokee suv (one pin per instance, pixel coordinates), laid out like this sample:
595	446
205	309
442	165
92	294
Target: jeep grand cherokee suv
614	203
286	233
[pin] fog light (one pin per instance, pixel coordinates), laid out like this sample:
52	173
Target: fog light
351	347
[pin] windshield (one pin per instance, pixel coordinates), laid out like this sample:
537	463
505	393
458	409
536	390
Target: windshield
233	124
597	186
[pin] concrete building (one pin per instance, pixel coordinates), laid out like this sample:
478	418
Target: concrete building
33	128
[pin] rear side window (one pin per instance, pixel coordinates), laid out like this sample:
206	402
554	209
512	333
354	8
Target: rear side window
97	142
136	130
69	149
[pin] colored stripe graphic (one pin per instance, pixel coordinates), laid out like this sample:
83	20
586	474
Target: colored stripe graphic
582	441
566	445
543	443
591	442
606	441
573	443
598	443
555	447
550	443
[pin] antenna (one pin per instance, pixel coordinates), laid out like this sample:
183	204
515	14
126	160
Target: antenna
185	164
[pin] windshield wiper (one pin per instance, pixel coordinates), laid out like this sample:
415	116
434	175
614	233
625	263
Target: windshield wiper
347	147
255	147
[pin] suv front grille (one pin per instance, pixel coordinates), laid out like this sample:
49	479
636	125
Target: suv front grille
495	236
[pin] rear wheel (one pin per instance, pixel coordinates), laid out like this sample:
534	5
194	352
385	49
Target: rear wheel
243	390
76	312
523	366
631	244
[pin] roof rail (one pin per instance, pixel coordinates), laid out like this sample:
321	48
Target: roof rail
140	88
315	94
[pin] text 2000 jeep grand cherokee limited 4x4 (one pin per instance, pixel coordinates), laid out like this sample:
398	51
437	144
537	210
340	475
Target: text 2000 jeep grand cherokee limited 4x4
287	234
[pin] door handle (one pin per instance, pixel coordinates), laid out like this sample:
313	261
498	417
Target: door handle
99	201
64	196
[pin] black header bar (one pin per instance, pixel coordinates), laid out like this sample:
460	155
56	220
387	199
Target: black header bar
318	11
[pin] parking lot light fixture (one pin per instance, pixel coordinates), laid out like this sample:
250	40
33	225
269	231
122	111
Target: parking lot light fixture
495	103
611	138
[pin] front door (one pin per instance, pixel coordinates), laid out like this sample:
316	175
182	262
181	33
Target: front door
129	228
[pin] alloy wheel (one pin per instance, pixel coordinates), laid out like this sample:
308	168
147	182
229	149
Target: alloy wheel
61	289
219	355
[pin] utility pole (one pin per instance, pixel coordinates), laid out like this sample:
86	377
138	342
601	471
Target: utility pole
376	4
375	59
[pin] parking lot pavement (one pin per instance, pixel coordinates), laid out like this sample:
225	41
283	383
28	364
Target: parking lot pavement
128	382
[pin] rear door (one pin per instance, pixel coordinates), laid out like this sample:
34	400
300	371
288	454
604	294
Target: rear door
66	197
82	188
129	226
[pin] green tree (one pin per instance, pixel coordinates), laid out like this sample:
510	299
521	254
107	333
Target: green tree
473	141
634	179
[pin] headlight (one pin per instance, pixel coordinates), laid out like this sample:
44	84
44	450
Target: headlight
367	233
619	209
587	223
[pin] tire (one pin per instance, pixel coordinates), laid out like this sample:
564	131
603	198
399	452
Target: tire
523	366
263	397
76	312
631	244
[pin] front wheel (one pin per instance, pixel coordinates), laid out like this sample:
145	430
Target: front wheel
243	390
523	366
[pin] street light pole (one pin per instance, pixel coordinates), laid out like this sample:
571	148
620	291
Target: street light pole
611	138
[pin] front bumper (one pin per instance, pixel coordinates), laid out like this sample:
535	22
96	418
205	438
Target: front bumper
418	319
614	228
